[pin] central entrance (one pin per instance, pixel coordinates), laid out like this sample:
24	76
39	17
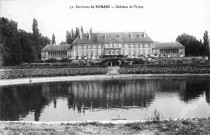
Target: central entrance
113	63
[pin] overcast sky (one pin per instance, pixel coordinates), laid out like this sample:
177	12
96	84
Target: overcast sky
162	20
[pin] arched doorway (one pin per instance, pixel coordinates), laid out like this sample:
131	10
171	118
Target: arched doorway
109	64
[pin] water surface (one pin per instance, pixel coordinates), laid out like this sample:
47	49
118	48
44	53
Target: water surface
133	99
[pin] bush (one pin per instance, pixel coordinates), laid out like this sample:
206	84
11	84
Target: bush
66	60
52	60
139	61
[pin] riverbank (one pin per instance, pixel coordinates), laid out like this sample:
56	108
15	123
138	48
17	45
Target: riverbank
98	77
189	126
134	69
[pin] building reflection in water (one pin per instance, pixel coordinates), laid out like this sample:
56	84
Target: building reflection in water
102	94
18	101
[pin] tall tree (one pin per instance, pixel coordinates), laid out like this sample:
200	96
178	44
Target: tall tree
35	29
53	39
77	32
81	29
206	43
72	35
36	48
68	37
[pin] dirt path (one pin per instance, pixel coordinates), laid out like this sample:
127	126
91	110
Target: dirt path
172	127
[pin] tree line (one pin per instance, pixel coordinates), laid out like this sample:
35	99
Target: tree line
193	47
73	34
20	46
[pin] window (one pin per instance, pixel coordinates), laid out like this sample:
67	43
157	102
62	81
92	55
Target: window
137	45
110	45
99	46
115	45
129	35
118	35
134	52
143	51
106	45
141	45
137	35
145	44
91	52
131	46
119	45
129	52
94	46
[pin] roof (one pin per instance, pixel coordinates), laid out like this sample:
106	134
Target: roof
168	45
116	37
57	47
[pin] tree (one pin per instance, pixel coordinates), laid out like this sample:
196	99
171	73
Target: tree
68	37
81	29
11	43
27	44
206	43
193	47
53	39
35	29
72	35
77	32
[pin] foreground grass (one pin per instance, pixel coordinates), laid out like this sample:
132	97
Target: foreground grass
184	127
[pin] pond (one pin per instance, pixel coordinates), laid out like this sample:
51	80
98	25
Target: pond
130	99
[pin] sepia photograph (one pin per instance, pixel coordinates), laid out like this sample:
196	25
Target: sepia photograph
110	67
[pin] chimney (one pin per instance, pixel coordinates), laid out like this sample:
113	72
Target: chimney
105	34
131	34
144	34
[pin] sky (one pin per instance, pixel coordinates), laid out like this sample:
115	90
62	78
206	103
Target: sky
162	20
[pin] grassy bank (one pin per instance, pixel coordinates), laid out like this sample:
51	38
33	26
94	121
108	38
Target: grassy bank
133	69
165	70
173	127
47	72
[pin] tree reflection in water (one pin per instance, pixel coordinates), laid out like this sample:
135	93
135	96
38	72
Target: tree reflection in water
18	101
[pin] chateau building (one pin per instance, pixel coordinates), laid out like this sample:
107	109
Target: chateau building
95	45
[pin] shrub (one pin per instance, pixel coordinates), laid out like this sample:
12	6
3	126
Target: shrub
139	61
52	60
66	60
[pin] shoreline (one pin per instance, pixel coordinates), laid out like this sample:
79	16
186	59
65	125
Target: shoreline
178	126
94	77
